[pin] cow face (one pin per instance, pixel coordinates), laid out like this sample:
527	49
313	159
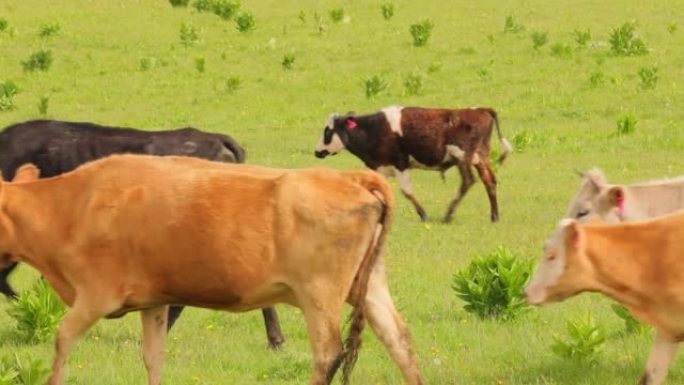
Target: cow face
331	143
561	271
597	200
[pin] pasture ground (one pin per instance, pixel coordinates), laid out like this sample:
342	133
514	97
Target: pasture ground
548	107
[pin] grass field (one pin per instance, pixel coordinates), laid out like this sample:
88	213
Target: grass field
121	62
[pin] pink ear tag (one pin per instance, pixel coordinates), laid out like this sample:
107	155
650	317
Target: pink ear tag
351	123
620	203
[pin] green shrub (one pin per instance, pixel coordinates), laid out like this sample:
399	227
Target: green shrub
413	83
493	285
374	85
597	78
582	38
632	325
225	9
3	24
626	124
623	41
336	15
43	105
146	63
583	343
511	26
421	32
49	30
179	3
539	39
7	92
245	22
189	34
23	371
203	5
387	11
8	373
288	61
434	67
648	76
200	64
671	28
37	312
561	50
233	83
41	60
302	17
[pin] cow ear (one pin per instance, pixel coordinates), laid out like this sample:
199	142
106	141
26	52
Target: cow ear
573	236
26	173
596	177
616	196
350	122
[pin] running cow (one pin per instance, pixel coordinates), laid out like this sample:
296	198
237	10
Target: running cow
397	139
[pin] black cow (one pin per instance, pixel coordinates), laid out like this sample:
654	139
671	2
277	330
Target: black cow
57	147
397	139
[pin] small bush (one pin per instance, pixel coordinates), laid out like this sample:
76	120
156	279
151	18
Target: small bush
179	3
19	371
493	285
225	9
539	39
3	24
623	41
41	60
7	92
626	124
302	17
434	67
584	341
582	38
413	83
200	63
597	78
375	85
648	76
146	63
37	312
632	325
421	32
336	15
511	26
561	50
233	83
43	105
189	34
288	61
671	28
203	5
387	11
49	30
245	22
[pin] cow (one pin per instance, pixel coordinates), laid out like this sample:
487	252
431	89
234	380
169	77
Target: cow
57	147
137	232
613	203
638	264
397	139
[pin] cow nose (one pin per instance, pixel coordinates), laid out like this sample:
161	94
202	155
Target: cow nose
321	154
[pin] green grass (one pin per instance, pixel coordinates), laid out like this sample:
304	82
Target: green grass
566	123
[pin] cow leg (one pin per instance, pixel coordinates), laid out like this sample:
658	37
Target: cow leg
389	327
405	185
4	284
174	312
664	350
154	322
467	181
322	314
489	180
275	336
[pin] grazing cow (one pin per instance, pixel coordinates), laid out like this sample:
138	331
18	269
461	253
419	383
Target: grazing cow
136	232
614	203
57	147
640	265
397	139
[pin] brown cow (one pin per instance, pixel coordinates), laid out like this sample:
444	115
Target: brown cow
397	139
135	232
640	265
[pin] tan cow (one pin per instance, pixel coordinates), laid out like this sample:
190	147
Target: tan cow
614	203
640	265
135	232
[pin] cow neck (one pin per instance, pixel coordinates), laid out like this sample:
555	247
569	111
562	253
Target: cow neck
365	139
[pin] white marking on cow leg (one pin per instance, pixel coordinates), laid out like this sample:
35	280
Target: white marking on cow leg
407	189
476	159
393	116
664	350
226	156
76	322
389	327
154	338
387	171
455	152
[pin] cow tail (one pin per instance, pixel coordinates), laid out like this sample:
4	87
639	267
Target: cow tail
507	148
377	185
236	149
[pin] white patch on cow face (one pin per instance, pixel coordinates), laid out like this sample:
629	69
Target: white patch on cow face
330	142
393	116
550	269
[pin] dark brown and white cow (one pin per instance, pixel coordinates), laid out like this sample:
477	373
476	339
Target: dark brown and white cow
397	139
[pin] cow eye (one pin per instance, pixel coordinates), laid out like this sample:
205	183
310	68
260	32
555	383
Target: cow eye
327	135
582	213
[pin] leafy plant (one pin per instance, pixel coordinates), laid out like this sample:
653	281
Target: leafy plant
245	22
434	67
288	61
539	39
493	285
671	28
584	340
387	10
3	24
336	14
200	64
511	26
203	5
8	373
233	83
648	76
302	17
374	85
37	312
413	83
582	38
189	34
43	105
626	124
623	41
41	60
632	325
597	78
49	30
7	92
179	3
146	63
561	50
421	32
224	9
17	371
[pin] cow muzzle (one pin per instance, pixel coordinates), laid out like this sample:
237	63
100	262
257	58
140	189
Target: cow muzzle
321	154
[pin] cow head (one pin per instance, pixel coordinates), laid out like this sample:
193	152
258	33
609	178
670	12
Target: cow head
597	199
26	173
564	267
334	135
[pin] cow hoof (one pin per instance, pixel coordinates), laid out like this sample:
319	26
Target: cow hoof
446	220
275	344
422	215
495	219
